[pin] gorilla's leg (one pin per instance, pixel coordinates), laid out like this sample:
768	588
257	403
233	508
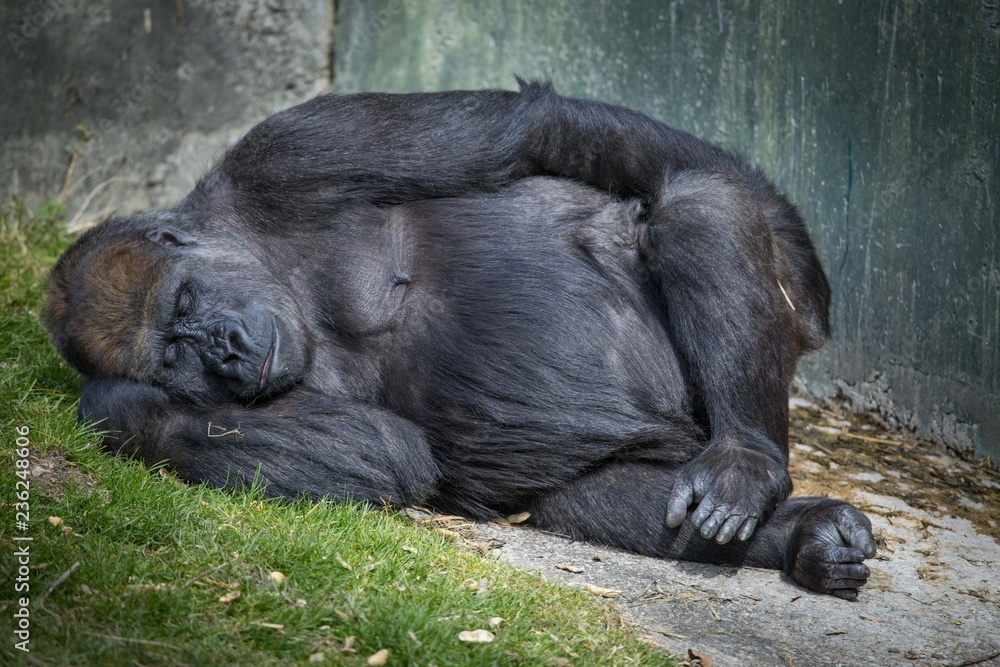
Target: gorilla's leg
302	443
819	542
721	274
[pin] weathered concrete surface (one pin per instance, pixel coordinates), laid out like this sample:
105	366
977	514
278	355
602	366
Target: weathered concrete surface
115	105
879	118
933	598
754	617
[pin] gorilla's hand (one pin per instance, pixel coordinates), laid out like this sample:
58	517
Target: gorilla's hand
121	409
734	487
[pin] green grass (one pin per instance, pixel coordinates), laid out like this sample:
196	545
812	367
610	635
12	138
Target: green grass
155	556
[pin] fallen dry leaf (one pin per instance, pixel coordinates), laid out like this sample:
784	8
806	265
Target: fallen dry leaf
704	658
520	517
55	521
495	621
276	577
828	430
575	569
317	657
149	587
380	657
271	626
602	592
476	636
470	584
230	596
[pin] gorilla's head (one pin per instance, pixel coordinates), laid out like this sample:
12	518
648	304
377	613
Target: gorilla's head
203	318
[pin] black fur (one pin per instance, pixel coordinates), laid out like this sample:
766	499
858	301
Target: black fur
406	299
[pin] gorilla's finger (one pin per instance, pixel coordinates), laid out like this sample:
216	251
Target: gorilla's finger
843	555
747	530
729	528
711	524
850	594
706	507
853	571
681	498
857	535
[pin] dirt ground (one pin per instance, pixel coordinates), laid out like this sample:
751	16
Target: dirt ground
934	594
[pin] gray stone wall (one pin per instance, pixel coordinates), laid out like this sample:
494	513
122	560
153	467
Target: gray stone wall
115	105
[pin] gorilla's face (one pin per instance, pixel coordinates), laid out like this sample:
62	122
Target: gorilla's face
213	343
206	320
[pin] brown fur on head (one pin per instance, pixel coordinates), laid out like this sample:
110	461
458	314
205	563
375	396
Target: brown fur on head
102	305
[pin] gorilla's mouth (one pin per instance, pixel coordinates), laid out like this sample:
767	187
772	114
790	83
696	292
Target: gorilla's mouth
272	352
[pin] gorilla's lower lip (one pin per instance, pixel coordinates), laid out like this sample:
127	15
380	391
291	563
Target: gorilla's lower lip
272	352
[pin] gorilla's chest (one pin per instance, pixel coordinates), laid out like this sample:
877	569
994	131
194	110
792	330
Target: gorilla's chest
513	310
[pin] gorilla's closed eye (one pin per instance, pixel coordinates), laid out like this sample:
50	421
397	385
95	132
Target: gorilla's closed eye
185	301
169	238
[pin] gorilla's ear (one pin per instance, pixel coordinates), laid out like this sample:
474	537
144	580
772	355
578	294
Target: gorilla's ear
171	238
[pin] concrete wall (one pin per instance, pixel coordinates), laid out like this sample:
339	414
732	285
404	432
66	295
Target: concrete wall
115	105
879	119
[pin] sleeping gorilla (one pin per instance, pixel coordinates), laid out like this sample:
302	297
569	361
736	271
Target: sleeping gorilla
487	301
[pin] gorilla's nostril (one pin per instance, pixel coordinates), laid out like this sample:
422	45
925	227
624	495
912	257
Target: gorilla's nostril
227	348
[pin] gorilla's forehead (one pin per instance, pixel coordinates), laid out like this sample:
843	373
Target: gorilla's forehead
113	306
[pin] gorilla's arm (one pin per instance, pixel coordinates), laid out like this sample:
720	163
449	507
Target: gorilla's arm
301	443
398	148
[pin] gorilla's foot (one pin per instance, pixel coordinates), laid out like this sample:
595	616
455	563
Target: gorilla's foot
831	539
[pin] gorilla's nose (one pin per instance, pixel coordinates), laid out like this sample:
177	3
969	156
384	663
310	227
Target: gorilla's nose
229	346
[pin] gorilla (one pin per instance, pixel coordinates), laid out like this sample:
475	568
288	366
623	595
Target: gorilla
490	302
